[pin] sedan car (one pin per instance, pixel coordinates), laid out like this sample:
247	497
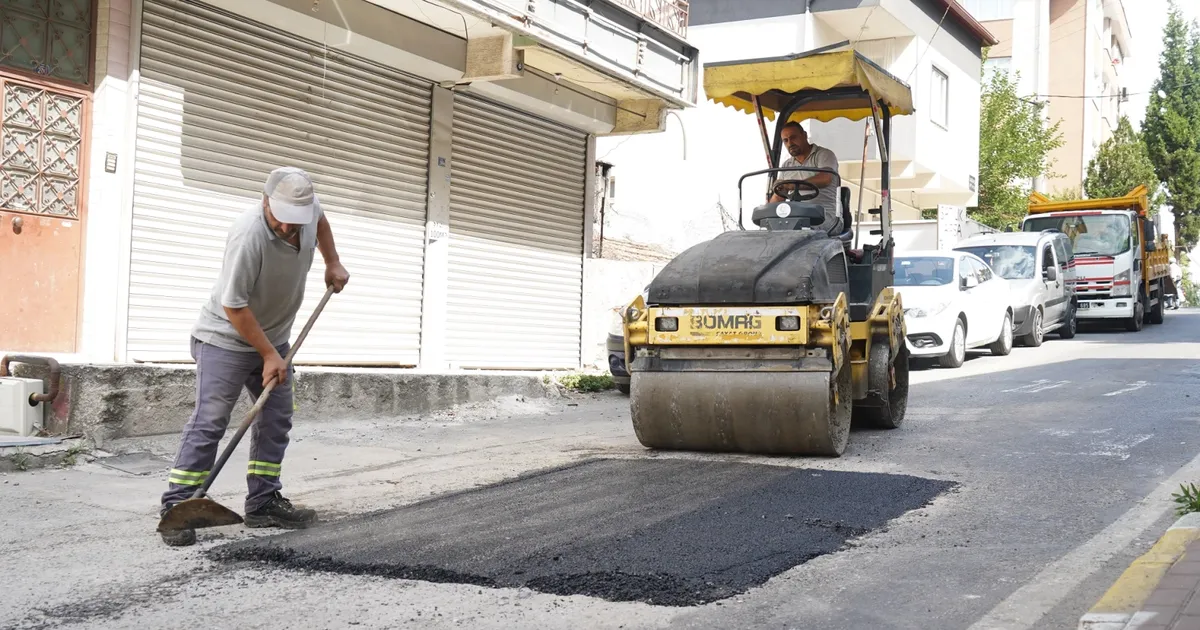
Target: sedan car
953	302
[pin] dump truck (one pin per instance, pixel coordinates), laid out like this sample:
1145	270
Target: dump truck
1122	269
769	340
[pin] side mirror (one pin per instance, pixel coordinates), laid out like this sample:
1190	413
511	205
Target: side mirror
968	282
1051	274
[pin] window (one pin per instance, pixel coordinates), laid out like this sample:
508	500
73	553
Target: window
994	65
41	139
1011	262
50	39
939	103
984	10
1047	257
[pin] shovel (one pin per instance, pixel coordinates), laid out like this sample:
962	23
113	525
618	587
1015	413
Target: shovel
200	511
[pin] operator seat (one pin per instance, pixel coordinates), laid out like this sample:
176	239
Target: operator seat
847	235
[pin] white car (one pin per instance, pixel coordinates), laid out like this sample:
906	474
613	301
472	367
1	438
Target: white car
953	302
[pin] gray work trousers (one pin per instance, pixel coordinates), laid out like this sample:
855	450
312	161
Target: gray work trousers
220	376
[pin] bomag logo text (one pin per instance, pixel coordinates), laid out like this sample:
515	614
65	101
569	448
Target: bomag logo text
726	322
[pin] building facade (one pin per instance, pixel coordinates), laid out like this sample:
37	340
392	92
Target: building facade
1089	42
451	144
680	187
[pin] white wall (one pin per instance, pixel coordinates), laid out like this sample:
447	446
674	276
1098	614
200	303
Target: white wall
608	284
106	237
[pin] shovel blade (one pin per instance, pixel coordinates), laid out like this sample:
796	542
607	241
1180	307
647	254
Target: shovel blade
197	514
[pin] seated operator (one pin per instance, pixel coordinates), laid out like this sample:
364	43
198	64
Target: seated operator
807	155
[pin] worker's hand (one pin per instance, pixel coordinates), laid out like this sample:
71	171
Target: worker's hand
274	369
336	276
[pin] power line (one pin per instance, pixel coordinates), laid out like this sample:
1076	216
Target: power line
929	45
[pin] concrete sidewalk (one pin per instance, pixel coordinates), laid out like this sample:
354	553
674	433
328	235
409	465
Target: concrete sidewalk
103	403
1160	590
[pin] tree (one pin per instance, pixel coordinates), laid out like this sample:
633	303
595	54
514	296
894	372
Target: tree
1121	164
1172	126
1014	147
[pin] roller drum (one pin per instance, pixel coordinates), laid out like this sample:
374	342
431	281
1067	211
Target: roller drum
794	413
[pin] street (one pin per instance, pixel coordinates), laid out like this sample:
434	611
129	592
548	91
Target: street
1034	480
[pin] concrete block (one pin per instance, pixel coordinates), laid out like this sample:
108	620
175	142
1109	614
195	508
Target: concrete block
108	402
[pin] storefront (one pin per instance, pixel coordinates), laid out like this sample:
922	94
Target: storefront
222	100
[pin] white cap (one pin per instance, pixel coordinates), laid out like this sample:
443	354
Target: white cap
290	192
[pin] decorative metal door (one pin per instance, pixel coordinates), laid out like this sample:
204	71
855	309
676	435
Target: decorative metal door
42	151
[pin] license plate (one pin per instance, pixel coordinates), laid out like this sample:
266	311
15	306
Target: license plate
1084	305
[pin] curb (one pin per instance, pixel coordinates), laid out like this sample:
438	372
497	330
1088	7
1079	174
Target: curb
1124	599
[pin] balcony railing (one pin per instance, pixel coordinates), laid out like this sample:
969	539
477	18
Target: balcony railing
669	14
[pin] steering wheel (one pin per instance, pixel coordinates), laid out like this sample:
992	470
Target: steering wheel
800	190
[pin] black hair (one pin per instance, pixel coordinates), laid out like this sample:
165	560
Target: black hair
792	123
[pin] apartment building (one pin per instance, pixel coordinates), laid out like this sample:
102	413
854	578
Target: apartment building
1071	54
681	187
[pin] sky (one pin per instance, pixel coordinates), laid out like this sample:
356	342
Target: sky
1147	18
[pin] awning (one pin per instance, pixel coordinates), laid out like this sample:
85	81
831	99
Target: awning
850	81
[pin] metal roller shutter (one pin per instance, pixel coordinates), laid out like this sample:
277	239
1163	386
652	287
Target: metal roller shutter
221	103
516	239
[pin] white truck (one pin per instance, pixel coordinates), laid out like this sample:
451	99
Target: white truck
1121	268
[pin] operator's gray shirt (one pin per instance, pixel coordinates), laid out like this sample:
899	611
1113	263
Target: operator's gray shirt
819	157
263	272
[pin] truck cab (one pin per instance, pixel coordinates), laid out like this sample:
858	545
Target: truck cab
1114	256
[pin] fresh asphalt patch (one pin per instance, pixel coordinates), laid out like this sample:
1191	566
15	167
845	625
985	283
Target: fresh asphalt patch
664	532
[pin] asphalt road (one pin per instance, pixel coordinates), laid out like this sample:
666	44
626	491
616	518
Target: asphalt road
1062	460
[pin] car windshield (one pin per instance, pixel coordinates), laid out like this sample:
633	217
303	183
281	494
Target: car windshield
1011	262
1091	235
924	271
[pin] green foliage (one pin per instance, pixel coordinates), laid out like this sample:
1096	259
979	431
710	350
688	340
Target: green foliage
1187	500
1014	147
1122	164
587	382
1069	194
1172	126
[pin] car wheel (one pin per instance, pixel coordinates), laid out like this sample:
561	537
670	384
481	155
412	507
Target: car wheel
1035	335
958	347
624	389
1069	329
1002	346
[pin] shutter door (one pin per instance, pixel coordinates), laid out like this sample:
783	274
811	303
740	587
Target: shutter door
516	239
222	102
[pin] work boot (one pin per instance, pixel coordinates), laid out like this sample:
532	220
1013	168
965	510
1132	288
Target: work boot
279	512
179	537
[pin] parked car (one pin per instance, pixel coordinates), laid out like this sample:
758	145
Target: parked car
1040	272
953	302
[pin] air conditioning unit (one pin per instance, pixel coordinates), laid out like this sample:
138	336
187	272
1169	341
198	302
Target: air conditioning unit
18	417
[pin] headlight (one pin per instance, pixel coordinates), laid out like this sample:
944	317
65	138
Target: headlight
927	311
787	323
616	326
1122	287
666	324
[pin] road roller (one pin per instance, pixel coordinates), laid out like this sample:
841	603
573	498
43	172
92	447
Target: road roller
772	340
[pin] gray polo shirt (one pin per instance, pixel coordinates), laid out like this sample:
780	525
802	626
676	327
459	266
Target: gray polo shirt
263	272
819	157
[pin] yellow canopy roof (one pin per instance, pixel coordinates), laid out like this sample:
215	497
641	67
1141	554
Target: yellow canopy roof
776	82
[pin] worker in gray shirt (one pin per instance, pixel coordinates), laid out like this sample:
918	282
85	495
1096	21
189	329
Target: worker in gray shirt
807	155
240	340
